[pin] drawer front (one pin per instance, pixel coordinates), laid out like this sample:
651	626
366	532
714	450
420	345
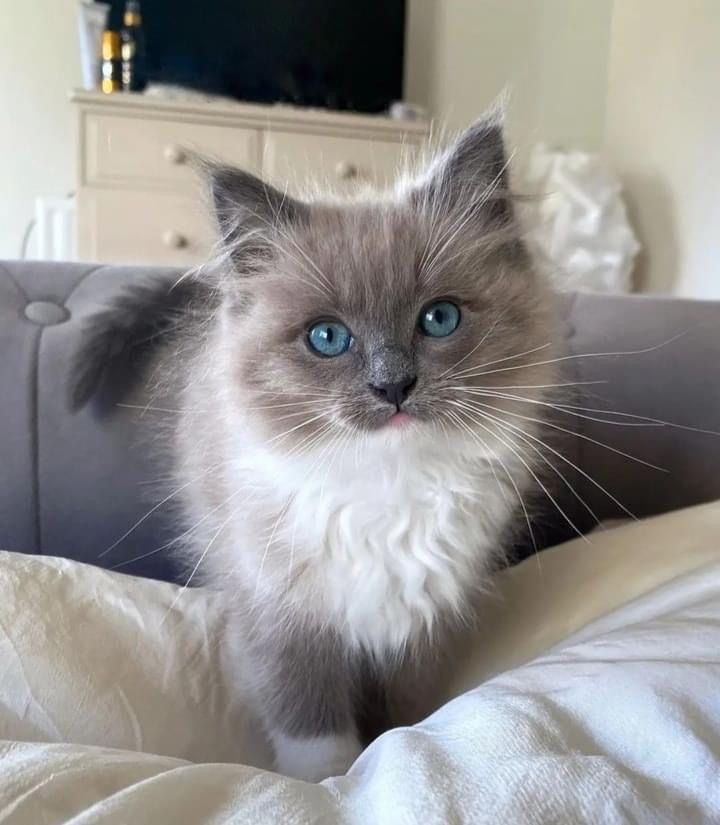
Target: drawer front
341	163
142	227
154	152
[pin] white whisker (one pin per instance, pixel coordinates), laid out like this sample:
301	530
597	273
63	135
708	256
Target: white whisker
507	472
576	435
196	567
524	436
559	408
477	346
499	361
157	507
567	461
512	448
582	355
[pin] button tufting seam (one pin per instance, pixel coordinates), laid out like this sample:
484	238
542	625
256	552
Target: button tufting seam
35	429
82	279
11	278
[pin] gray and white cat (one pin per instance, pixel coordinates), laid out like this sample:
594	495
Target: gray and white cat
347	474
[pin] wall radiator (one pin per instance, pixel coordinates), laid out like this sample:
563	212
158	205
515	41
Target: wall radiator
55	220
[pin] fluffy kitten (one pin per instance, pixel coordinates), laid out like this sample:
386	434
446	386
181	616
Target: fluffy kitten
341	480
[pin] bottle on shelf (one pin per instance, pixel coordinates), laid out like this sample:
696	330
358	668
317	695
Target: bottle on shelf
110	64
132	36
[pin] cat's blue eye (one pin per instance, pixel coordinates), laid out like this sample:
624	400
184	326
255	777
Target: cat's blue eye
329	338
440	319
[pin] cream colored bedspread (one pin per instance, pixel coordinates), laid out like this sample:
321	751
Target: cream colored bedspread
591	695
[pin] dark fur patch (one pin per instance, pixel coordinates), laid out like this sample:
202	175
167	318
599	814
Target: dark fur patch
311	687
119	342
247	209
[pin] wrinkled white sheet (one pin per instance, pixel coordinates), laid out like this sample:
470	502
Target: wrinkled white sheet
592	695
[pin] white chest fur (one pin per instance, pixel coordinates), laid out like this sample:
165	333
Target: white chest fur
379	544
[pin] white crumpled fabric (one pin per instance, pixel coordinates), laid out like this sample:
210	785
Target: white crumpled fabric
577	224
590	696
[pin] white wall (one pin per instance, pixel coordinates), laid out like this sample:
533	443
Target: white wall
663	136
39	64
552	54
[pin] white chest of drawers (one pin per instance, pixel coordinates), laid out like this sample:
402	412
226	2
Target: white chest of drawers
139	201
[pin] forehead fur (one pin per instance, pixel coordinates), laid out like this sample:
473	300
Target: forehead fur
459	203
386	258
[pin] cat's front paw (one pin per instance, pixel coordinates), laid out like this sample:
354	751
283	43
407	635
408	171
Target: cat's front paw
315	758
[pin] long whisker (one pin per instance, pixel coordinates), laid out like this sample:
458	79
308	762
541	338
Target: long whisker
178	410
186	411
559	408
512	449
282	513
460	373
583	355
304	390
575	467
187	484
157	507
576	435
477	346
463	425
504	387
196	567
656	421
184	534
340	406
312	402
340	443
495	457
507	472
293	429
524	436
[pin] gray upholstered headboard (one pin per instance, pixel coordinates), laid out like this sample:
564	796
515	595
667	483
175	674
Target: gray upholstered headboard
71	485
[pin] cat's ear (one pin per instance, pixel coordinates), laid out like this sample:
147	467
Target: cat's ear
248	212
471	176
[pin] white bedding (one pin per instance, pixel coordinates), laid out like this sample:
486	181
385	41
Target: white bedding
592	695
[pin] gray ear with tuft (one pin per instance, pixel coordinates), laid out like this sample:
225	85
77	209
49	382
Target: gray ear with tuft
248	212
472	175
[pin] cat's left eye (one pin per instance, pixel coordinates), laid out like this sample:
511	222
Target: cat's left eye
329	338
440	319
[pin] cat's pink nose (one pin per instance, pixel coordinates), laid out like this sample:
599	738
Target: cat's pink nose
396	392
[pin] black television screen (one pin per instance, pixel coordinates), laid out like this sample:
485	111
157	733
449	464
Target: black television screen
338	54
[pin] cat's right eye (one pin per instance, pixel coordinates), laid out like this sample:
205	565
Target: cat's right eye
329	338
440	319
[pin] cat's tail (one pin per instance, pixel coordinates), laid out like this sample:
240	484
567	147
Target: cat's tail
119	341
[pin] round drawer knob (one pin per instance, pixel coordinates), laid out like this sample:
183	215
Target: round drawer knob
346	170
174	154
175	240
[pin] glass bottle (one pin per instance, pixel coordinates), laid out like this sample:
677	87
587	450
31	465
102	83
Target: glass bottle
110	65
132	36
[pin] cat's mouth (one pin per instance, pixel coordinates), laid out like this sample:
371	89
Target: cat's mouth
400	420
395	420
